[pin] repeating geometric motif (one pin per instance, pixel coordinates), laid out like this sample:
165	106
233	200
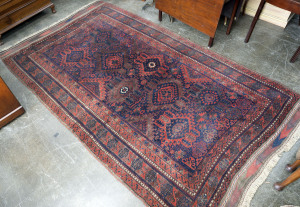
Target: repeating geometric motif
173	122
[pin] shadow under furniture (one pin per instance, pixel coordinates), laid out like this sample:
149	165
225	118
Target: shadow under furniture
290	5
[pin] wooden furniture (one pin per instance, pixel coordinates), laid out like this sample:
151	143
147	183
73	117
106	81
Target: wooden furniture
290	5
293	177
237	4
14	12
10	108
203	15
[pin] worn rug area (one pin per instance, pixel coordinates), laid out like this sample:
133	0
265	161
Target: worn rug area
175	122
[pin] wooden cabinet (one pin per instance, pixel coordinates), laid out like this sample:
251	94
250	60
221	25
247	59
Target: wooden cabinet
14	12
10	108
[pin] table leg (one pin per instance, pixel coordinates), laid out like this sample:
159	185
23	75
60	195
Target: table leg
236	4
261	6
160	15
210	43
294	176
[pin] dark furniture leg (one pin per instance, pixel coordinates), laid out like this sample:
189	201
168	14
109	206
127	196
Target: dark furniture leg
261	6
294	176
53	9
294	166
171	19
210	43
160	15
236	4
296	54
244	7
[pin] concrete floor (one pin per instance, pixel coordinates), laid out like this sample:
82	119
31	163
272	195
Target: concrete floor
43	164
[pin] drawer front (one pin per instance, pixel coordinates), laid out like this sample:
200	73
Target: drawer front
21	13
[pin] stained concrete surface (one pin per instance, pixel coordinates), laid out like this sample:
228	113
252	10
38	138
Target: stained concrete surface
43	164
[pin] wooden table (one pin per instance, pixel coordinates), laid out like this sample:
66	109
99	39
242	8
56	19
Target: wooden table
203	15
10	108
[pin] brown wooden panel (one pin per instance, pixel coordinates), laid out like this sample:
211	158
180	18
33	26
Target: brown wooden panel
290	5
203	15
10	108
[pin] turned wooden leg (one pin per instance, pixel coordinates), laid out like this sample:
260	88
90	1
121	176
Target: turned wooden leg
210	43
294	176
261	6
53	9
236	4
296	54
160	15
294	166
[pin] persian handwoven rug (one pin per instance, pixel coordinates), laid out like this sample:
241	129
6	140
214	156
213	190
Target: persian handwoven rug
175	122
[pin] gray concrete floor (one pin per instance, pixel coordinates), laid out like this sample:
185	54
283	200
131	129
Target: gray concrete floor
43	164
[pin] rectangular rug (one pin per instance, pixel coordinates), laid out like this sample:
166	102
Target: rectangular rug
175	122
